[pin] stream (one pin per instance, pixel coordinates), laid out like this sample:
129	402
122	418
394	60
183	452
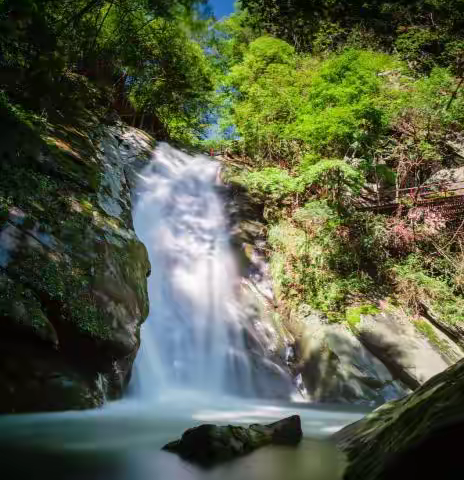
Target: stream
192	367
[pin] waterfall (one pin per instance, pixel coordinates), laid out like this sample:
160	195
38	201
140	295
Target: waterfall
193	337
192	366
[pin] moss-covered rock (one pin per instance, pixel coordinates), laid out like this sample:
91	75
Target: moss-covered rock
208	445
415	437
72	271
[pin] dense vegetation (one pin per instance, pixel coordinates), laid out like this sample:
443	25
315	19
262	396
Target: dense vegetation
330	105
59	59
425	33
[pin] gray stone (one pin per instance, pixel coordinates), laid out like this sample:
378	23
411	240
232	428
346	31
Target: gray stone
73	290
264	333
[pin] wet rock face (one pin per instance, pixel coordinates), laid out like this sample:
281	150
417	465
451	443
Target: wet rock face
72	271
264	335
415	437
208	445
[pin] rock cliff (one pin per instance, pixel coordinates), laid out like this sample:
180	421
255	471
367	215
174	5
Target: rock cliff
375	355
72	271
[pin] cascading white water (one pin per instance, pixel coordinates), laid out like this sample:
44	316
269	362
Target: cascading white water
192	337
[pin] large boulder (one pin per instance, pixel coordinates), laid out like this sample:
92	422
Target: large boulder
448	175
208	445
337	368
415	437
73	273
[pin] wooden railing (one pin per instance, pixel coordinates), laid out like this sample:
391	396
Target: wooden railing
429	191
447	198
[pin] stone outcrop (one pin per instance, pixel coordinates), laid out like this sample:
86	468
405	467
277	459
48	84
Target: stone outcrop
72	271
208	445
264	334
411	356
337	368
415	437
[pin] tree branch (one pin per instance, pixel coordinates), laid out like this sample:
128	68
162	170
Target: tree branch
80	14
101	25
455	93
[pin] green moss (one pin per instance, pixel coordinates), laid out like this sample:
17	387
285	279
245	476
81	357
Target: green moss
62	285
89	318
353	314
335	317
79	166
429	332
5	204
43	272
21	308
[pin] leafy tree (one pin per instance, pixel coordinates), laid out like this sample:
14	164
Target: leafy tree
51	49
325	131
285	105
425	32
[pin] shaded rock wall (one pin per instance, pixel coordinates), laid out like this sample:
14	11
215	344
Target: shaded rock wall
72	271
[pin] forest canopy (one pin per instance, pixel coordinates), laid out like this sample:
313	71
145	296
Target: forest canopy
334	107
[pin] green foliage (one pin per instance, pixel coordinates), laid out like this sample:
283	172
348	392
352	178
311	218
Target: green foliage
418	286
15	115
420	46
177	89
284	105
334	175
313	260
321	118
426	33
230	38
316	214
343	108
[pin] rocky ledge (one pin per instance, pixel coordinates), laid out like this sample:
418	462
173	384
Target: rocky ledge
72	272
415	437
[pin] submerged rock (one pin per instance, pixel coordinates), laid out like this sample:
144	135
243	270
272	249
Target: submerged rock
415	437
73	273
208	445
